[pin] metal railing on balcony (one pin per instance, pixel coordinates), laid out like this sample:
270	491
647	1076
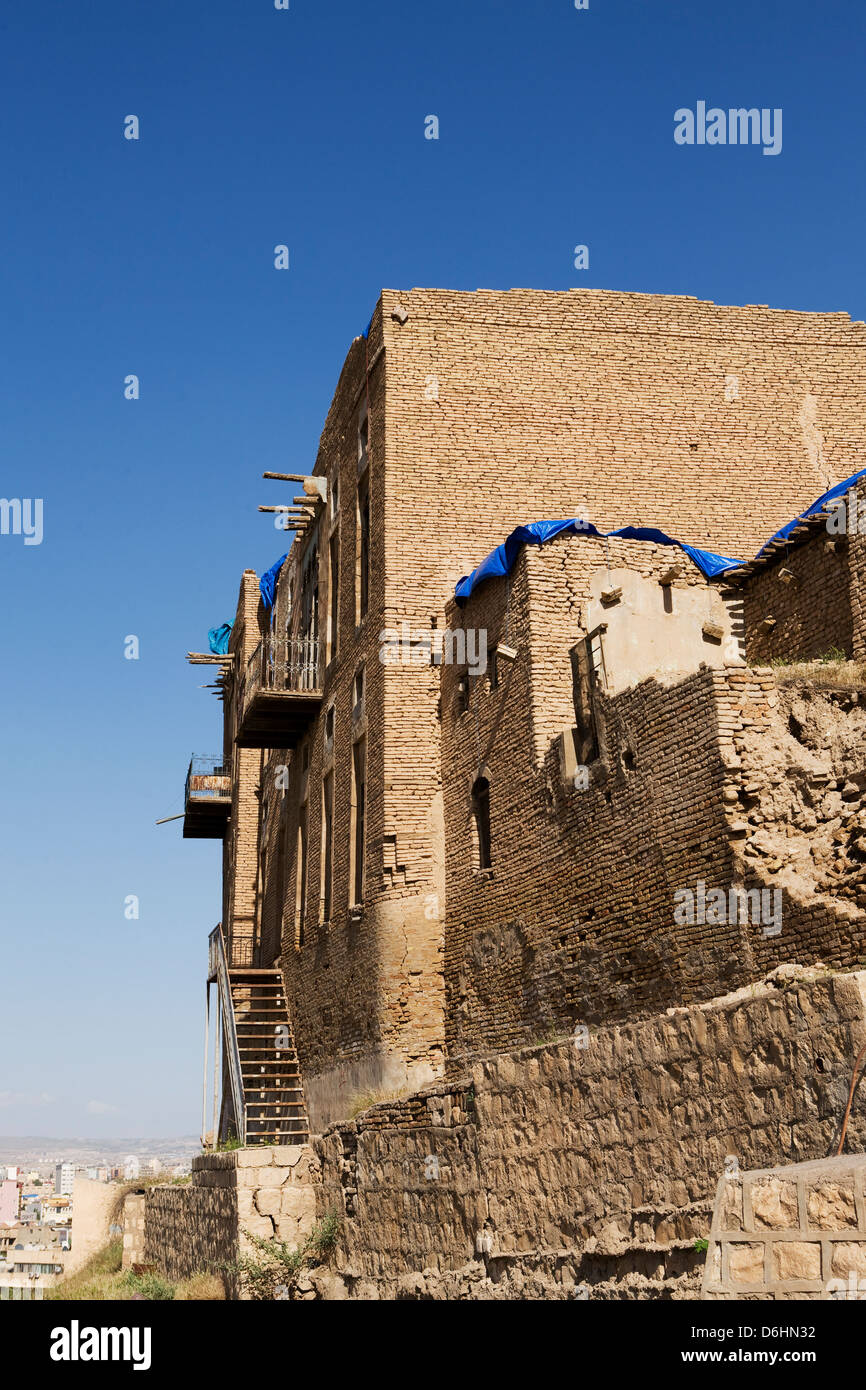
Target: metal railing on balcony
290	664
208	779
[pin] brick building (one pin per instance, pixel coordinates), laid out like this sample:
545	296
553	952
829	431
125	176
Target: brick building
405	862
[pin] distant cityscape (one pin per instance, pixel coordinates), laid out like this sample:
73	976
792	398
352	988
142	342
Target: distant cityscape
45	1183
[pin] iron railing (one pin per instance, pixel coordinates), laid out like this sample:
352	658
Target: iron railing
240	952
278	664
218	969
208	779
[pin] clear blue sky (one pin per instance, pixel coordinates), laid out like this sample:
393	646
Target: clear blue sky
155	257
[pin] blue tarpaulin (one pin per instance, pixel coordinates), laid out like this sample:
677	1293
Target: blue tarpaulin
502	560
218	637
268	582
816	506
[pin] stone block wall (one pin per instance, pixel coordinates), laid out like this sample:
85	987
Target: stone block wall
202	1226
134	1207
795	1232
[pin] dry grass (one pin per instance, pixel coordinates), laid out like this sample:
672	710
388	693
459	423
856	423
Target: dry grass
827	673
201	1288
364	1100
102	1279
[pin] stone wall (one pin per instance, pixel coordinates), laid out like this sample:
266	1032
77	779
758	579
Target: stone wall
202	1226
133	1230
587	1167
796	1232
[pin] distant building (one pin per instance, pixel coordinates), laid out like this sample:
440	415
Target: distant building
154	1167
64	1178
10	1192
132	1168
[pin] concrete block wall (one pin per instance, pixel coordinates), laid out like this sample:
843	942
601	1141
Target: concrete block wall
794	1232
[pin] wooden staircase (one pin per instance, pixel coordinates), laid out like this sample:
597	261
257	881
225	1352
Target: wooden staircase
276	1111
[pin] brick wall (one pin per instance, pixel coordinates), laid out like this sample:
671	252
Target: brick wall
699	779
486	410
810	613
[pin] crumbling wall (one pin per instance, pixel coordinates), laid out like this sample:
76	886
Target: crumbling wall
574	920
795	800
587	1167
808	611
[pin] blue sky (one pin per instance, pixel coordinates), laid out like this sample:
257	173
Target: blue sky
155	257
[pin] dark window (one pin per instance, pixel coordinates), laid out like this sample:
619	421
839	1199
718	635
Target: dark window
585	672
334	596
359	768
363	545
358	694
327	845
301	886
481	815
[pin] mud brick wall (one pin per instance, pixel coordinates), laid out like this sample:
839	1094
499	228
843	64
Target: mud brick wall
574	920
241	885
487	410
813	611
583	1165
795	1232
265	1191
700	777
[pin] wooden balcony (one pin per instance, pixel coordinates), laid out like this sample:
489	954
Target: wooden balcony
281	693
208	798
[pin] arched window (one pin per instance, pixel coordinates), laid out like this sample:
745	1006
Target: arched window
481	816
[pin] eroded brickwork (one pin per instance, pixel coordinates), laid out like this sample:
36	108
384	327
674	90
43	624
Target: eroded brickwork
485	410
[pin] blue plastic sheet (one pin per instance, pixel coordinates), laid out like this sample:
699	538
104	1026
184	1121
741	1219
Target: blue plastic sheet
218	637
816	506
502	560
268	582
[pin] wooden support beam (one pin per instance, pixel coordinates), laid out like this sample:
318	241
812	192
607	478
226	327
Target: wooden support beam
290	511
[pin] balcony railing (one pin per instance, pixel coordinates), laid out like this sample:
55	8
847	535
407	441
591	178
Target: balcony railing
207	797
280	692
